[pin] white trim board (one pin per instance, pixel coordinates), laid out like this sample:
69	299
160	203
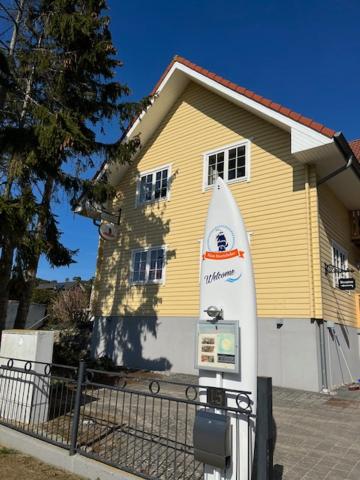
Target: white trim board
302	137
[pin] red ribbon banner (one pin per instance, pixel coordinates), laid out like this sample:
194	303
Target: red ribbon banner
223	255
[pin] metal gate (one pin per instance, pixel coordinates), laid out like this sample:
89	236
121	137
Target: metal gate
140	424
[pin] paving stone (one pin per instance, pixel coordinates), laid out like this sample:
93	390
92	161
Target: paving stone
344	466
336	475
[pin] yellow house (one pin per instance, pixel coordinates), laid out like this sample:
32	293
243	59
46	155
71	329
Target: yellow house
297	184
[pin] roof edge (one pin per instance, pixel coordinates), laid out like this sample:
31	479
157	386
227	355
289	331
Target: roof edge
287	112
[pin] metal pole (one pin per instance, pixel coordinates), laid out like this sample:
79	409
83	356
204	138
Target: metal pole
76	417
264	442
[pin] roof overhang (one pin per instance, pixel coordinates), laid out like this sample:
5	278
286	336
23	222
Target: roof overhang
308	143
331	159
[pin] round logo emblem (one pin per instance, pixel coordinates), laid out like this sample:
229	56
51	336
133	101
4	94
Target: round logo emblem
220	239
108	231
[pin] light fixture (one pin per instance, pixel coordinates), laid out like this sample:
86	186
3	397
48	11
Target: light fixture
214	312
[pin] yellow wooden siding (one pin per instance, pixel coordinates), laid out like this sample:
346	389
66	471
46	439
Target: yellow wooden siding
275	204
334	222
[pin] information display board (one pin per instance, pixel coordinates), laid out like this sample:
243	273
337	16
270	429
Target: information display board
217	346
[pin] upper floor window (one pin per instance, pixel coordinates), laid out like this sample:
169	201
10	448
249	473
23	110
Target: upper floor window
229	163
153	185
148	265
340	261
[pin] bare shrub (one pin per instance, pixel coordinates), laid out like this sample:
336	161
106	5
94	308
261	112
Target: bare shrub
70	315
69	307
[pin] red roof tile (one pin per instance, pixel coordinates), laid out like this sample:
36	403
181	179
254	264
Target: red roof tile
355	147
247	93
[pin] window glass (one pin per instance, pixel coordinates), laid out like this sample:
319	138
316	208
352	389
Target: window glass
139	267
156	264
216	167
229	164
340	261
148	265
161	184
153	186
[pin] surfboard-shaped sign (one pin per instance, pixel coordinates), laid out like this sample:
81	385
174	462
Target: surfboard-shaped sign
228	288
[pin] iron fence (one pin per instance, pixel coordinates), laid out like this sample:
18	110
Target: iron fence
141	424
38	398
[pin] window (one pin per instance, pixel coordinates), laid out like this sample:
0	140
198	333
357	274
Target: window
148	265
340	262
230	163
153	186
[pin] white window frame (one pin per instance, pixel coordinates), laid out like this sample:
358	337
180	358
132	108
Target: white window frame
153	172
225	149
341	250
148	251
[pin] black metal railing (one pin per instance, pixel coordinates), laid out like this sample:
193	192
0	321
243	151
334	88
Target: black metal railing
141	424
38	398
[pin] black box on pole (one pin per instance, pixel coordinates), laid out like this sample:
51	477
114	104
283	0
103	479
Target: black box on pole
265	432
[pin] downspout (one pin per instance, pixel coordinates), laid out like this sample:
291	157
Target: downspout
323	359
348	155
319	322
310	243
342	144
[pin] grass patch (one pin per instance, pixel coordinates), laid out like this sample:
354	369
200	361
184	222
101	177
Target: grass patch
7	451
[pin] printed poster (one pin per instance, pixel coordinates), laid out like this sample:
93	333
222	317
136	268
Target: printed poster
217	346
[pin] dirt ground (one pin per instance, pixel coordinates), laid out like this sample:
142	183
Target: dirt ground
15	466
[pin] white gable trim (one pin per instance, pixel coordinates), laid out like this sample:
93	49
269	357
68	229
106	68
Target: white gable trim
302	137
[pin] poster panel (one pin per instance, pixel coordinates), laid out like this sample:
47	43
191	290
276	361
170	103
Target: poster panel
217	346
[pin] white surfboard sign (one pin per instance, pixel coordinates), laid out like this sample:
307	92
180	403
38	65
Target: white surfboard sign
108	231
227	283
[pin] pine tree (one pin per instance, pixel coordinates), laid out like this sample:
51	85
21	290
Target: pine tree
63	71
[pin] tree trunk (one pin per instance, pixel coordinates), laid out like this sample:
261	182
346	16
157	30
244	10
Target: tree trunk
8	249
25	299
14	36
6	262
7	254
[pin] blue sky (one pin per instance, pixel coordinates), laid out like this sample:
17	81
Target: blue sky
304	55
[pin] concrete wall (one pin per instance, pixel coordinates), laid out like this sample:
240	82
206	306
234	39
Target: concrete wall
289	354
166	343
36	313
343	354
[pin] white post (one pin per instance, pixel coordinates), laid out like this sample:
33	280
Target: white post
24	396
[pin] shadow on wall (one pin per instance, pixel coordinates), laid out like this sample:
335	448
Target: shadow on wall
125	312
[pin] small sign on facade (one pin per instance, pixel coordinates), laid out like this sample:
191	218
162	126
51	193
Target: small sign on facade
347	283
108	231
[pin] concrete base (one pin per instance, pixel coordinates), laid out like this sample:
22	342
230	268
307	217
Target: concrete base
60	458
289	349
343	352
289	353
29	346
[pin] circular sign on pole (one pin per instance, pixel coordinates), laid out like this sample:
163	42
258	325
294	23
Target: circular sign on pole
108	231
